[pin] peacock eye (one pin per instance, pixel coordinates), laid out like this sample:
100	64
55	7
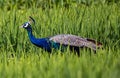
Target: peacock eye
26	25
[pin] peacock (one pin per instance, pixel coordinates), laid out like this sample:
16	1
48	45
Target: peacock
60	41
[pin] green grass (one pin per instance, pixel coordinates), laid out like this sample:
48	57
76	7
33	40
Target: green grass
20	59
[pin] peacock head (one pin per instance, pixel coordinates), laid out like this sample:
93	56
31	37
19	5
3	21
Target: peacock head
27	25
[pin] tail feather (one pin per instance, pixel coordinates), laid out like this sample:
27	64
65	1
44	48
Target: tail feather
95	44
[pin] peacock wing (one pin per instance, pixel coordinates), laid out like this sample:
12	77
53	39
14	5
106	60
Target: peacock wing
73	40
67	39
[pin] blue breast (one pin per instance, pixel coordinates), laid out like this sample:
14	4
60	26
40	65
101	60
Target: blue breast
42	42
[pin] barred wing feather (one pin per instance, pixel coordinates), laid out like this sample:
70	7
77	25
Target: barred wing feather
76	41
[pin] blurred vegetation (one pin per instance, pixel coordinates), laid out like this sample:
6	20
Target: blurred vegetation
23	4
97	19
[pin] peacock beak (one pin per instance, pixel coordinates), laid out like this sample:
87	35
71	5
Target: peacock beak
21	26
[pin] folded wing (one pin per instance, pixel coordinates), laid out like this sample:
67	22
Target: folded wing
76	41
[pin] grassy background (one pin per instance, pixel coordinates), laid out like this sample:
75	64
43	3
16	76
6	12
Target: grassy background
99	20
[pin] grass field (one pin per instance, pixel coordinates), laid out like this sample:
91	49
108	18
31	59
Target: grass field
20	59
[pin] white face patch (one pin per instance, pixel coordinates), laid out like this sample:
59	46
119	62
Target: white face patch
26	25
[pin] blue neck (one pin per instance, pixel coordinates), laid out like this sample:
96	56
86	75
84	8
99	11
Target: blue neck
40	42
31	37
